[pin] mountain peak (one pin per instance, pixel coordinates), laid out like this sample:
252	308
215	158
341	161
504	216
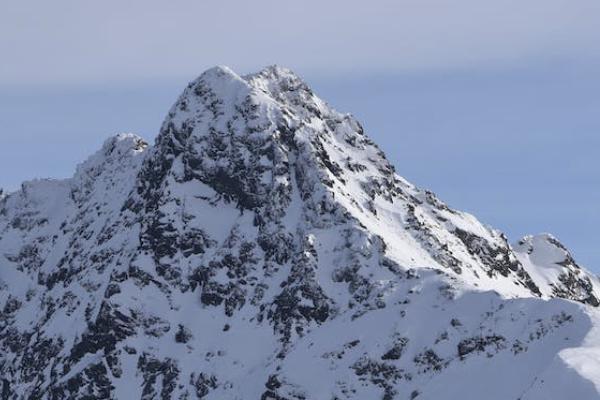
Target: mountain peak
264	232
275	80
555	270
110	167
262	141
221	81
116	152
246	131
219	72
545	249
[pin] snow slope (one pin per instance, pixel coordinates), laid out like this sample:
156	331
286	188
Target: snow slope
264	248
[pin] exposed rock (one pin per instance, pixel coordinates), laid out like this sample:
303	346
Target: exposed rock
264	247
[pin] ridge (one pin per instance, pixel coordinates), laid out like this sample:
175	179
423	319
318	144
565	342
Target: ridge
264	247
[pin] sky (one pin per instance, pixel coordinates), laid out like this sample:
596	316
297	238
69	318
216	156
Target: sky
492	105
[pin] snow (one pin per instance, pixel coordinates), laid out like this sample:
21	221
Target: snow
265	247
547	261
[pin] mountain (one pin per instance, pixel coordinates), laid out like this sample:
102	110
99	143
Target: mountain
265	248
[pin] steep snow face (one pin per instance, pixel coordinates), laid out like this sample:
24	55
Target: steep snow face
266	248
555	271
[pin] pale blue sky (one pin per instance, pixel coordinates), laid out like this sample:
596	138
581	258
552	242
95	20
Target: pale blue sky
495	107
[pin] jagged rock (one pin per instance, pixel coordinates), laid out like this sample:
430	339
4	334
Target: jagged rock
480	344
556	270
264	247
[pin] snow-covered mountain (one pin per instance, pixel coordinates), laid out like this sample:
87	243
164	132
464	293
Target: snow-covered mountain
265	248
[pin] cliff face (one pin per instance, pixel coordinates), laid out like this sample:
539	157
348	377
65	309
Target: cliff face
264	248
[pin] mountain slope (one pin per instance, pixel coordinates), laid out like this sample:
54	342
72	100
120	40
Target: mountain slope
265	248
